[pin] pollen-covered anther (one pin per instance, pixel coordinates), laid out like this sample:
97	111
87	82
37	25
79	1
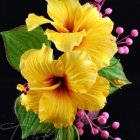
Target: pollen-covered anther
23	92
23	88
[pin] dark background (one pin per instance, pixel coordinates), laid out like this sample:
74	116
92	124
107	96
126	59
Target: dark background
123	106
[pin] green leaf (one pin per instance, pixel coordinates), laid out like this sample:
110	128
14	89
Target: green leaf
76	132
19	40
113	88
115	74
29	122
68	133
71	133
30	125
62	133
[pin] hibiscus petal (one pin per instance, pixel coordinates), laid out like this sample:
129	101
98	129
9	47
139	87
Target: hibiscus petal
95	98
31	101
37	66
57	108
79	70
89	19
34	21
63	12
100	46
65	41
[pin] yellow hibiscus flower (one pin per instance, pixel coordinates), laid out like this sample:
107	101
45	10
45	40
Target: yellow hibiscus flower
57	88
78	27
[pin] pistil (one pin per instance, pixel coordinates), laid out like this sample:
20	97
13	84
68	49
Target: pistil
25	89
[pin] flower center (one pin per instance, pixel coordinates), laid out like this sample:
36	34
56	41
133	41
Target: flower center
69	26
63	89
62	80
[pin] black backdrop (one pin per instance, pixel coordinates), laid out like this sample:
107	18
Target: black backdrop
123	106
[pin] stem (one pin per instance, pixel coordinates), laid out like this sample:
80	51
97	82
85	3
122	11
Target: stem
111	137
117	38
123	38
96	126
120	43
88	121
102	4
91	123
103	15
106	127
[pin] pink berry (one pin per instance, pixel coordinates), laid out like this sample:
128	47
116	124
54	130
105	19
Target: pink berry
81	131
102	120
105	134
134	33
121	50
119	30
98	1
79	124
108	11
80	113
95	131
117	138
115	125
105	114
129	41
126	50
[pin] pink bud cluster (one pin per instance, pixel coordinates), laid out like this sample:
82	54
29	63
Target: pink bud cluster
79	123
99	4
98	127
126	41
